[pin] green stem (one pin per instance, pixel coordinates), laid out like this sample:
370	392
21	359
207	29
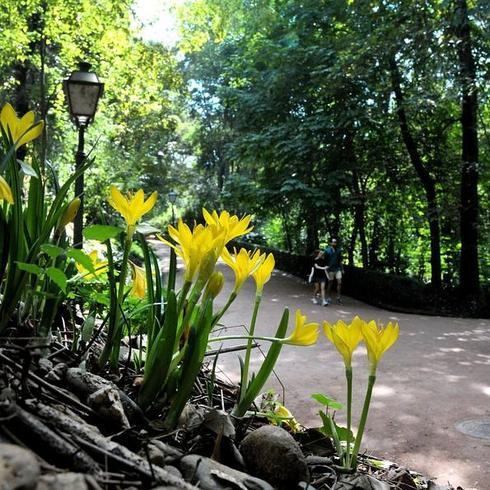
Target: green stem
348	375
217	317
112	346
243	337
246	363
183	295
362	423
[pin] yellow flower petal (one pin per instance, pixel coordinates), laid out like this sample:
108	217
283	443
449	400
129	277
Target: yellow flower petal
243	264
199	248
232	225
344	337
5	191
20	130
131	208
263	272
139	282
378	340
304	333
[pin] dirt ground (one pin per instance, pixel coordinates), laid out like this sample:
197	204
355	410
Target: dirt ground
436	375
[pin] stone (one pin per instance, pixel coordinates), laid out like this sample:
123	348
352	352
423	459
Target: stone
19	468
62	481
107	403
271	453
161	454
208	474
173	470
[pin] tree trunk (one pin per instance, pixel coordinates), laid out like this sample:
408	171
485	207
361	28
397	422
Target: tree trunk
469	270
360	217
428	182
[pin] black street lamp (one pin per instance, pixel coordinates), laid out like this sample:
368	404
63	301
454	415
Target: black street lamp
172	198
83	90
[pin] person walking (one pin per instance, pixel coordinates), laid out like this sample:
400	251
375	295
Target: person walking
333	258
318	276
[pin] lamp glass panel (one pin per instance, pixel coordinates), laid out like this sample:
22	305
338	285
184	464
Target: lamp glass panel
83	99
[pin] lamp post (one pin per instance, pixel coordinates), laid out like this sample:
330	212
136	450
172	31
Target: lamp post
83	90
172	198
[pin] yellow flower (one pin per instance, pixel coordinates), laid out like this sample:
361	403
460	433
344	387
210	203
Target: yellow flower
263	273
70	213
139	282
304	333
100	267
243	263
132	207
287	418
20	130
378	340
345	337
5	191
231	224
195	246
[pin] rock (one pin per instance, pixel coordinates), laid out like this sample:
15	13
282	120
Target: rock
173	470
62	481
107	403
85	383
45	365
19	468
57	373
211	475
161	454
271	453
219	422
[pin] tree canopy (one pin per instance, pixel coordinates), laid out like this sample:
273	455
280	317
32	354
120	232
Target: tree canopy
367	121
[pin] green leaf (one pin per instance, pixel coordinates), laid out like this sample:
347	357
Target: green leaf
257	383
160	354
342	433
146	229
27	169
328	402
31	268
52	250
82	258
58	277
101	232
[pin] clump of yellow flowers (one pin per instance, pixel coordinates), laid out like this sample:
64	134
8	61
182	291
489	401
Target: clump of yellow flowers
346	338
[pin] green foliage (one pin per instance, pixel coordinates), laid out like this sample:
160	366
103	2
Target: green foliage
297	121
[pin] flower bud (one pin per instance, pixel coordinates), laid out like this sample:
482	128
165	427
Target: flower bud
206	267
215	285
70	213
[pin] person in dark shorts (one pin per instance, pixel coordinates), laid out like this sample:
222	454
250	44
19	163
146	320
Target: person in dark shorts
335	269
318	276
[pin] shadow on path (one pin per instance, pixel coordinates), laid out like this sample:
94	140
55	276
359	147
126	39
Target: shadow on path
437	374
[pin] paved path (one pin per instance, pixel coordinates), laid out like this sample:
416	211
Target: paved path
436	375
